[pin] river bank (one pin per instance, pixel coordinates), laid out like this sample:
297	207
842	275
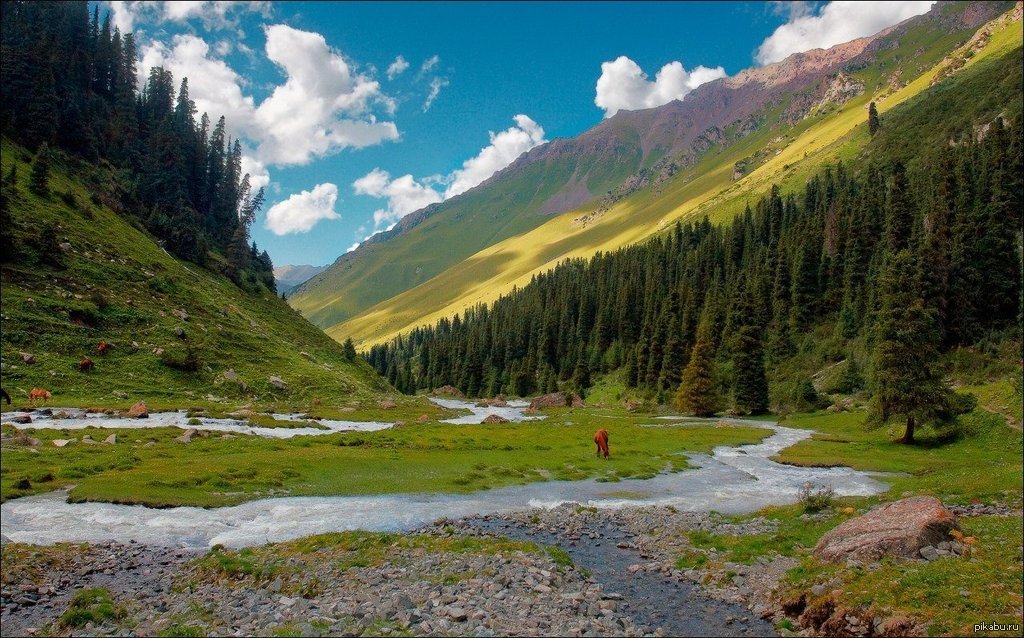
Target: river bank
460	577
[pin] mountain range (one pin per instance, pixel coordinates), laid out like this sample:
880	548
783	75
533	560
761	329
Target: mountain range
637	172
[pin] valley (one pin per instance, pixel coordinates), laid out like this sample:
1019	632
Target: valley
743	360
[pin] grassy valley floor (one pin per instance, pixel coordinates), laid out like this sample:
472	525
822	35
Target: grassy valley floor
759	563
151	467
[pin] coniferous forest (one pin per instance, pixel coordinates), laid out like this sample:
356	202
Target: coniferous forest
902	263
70	87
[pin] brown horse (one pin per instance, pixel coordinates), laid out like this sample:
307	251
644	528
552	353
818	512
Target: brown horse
86	365
36	393
601	439
102	348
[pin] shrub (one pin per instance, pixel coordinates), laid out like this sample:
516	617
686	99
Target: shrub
186	358
815	498
69	198
84	314
91	605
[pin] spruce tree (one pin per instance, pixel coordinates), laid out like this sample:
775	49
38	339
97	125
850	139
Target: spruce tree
40	178
698	393
873	122
907	380
751	386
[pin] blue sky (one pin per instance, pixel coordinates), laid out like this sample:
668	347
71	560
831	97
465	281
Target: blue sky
355	114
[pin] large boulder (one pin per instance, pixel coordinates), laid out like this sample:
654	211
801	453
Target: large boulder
278	382
138	411
897	529
556	400
495	419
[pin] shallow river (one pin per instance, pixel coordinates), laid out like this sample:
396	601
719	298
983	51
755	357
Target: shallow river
79	420
730	480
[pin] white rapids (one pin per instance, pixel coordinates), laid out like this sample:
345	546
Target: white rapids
79	420
730	480
513	411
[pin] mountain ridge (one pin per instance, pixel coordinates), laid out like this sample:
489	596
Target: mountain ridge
650	144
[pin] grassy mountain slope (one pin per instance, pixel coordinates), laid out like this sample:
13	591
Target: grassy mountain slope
109	280
983	86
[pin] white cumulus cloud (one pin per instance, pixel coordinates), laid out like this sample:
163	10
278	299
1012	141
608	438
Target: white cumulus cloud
213	85
322	107
214	15
504	148
219	14
397	67
406	194
302	211
836	22
623	85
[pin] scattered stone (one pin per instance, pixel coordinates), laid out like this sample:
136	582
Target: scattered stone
138	411
21	419
495	419
180	314
278	382
179	332
111	440
423	418
27	358
898	529
230	375
458	614
448	391
556	400
187	436
387	404
63	442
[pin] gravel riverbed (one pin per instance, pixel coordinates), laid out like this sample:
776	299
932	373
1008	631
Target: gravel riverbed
442	579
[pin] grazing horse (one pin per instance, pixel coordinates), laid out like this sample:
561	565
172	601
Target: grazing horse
601	439
102	348
36	393
86	365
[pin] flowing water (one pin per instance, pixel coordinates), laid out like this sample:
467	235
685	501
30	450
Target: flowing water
79	420
729	480
512	411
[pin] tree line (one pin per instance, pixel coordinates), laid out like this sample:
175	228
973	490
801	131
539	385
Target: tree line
70	84
897	262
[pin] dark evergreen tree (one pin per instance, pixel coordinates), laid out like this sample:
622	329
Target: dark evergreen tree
698	392
907	381
750	385
349	349
873	122
40	178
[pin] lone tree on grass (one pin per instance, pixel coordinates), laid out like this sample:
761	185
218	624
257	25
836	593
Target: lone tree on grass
40	178
907	380
873	122
349	349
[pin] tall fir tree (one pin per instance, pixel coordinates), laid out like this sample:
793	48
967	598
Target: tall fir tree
873	122
698	392
39	180
907	381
